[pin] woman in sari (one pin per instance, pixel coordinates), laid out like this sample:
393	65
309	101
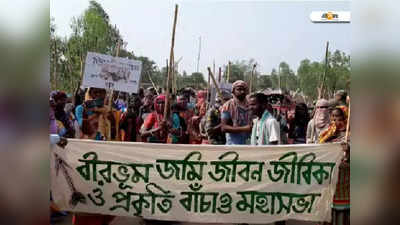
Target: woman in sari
336	132
176	125
154	127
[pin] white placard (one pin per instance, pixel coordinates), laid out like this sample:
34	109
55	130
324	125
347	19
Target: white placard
105	71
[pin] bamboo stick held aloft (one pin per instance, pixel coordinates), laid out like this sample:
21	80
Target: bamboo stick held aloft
214	81
252	77
171	65
321	94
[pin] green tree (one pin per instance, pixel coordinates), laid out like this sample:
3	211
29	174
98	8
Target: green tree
311	74
274	79
241	70
264	82
288	77
338	71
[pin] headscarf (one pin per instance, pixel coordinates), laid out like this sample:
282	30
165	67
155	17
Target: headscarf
321	117
69	107
332	130
201	94
201	102
159	97
232	106
240	83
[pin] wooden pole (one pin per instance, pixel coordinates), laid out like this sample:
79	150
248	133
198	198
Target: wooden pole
175	78
118	48
219	75
112	91
108	108
171	81
252	78
348	126
154	86
209	84
171	65
55	65
214	81
214	66
82	61
229	72
321	94
166	75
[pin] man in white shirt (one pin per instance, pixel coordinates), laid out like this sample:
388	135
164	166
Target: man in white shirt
266	129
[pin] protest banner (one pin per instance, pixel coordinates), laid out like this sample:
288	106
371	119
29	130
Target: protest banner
108	72
196	183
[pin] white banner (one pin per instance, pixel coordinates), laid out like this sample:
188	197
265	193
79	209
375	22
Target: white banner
196	183
105	71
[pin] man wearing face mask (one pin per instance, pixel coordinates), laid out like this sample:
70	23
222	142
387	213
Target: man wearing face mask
319	122
235	117
186	114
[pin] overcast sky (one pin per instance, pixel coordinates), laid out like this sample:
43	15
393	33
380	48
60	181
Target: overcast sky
267	31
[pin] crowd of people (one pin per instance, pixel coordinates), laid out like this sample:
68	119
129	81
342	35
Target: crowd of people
237	118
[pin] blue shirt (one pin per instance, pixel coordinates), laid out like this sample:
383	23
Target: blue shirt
79	114
236	138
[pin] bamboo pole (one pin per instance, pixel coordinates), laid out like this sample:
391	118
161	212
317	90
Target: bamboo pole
112	91
214	66
321	94
228	72
55	65
214	81
154	86
118	48
166	75
175	78
172	78
110	101
348	126
252	77
166	107
209	84
82	61
219	74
